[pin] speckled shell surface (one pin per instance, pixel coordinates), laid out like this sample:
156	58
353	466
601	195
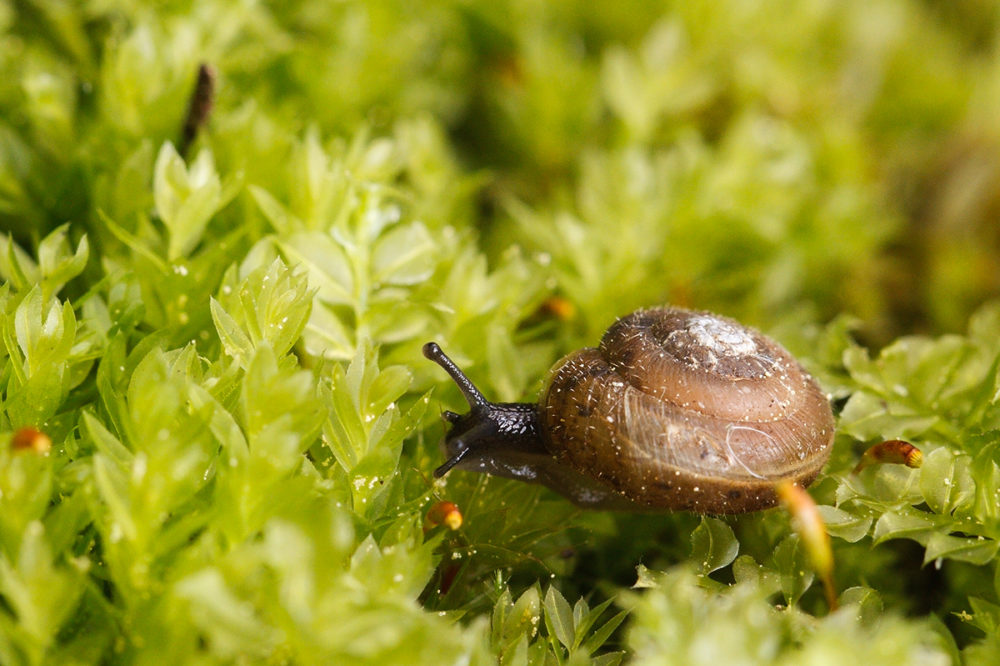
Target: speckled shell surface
687	410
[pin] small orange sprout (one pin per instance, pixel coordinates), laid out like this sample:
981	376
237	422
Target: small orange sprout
895	451
559	307
812	530
443	513
31	439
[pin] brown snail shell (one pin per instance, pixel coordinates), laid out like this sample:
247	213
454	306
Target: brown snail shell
675	409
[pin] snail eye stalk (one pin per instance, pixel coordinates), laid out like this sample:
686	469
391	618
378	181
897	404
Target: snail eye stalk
472	395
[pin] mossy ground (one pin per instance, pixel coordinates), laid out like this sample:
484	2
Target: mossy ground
221	337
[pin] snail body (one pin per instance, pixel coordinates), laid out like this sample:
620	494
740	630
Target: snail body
675	409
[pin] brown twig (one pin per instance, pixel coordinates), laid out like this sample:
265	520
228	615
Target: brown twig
199	107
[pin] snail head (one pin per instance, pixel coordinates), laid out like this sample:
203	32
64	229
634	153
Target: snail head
486	427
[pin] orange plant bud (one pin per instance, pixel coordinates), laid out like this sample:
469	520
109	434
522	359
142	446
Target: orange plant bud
31	439
895	451
560	308
444	513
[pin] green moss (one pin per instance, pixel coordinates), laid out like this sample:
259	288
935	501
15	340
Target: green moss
222	339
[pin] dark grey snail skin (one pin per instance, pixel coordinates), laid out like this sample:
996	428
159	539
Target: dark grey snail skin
675	410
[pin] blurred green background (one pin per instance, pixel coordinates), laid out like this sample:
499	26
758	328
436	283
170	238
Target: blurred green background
756	157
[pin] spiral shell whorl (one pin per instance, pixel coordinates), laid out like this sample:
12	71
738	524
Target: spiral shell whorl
687	410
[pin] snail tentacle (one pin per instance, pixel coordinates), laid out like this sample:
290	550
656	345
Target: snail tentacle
472	395
451	462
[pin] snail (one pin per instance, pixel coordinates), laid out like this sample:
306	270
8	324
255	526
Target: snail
675	410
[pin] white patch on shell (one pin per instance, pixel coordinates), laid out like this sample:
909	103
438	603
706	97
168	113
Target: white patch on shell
721	337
